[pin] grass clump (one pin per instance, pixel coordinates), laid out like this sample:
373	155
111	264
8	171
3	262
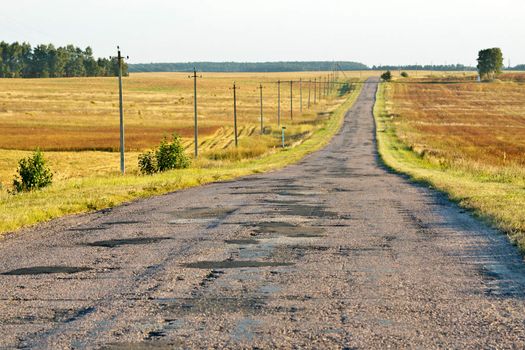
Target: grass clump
32	173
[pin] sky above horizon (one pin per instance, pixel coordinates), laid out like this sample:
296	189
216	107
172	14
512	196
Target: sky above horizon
373	32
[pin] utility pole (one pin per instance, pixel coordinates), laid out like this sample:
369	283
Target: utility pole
195	127
301	95
309	91
235	114
261	98
315	91
291	99
278	102
121	110
320	86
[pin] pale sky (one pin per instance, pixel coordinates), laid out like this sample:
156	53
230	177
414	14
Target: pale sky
367	31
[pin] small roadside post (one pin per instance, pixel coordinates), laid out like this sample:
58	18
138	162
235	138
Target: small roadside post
282	135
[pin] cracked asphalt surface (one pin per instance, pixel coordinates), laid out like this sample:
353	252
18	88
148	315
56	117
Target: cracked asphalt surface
332	252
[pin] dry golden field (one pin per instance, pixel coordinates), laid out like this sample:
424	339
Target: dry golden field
465	138
477	123
82	113
75	121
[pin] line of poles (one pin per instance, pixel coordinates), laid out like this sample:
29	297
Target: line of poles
319	87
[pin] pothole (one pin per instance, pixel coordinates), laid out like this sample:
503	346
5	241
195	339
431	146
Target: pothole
282	202
242	241
289	230
113	243
188	306
232	264
87	229
204	213
128	222
307	210
44	270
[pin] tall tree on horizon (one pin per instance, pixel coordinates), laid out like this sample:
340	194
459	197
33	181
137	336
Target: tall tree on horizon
490	63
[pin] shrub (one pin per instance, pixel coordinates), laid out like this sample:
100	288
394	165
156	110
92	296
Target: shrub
404	74
386	76
169	155
33	173
147	163
345	89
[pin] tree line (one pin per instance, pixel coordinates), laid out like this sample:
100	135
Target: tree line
429	67
20	60
247	66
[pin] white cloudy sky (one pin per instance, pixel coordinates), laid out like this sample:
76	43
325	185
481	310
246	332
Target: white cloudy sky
369	31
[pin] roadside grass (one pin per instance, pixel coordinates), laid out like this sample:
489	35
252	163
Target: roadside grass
467	164
94	192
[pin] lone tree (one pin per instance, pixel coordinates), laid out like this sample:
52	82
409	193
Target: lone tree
490	63
386	76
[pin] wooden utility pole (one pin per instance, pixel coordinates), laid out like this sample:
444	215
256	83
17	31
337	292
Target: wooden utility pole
261	99
309	91
235	114
301	95
315	91
195	126
278	102
291	99
120	60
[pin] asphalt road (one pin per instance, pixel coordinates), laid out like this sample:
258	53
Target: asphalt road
333	252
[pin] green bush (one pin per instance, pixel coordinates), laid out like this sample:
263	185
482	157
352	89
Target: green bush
386	76
33	173
147	163
345	89
169	155
404	74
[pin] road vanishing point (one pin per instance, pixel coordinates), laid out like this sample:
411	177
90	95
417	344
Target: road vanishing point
334	252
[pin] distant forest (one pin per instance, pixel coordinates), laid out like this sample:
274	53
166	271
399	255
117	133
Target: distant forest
247	66
448	67
20	60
